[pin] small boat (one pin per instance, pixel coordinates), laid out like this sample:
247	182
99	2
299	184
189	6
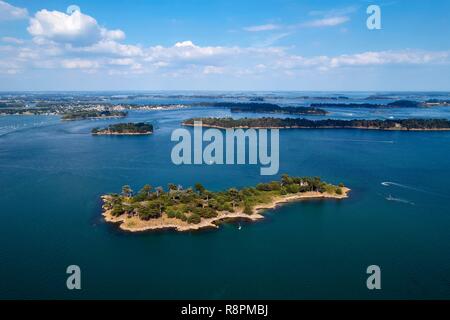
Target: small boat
239	227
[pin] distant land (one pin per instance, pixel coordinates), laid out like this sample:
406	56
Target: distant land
198	208
249	107
297	123
140	128
395	104
62	105
92	114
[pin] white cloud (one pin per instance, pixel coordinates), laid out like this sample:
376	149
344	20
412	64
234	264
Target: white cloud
184	44
12	40
9	12
116	35
389	57
326	22
79	64
76	28
109	48
187	51
263	27
76	41
365	59
273	39
213	70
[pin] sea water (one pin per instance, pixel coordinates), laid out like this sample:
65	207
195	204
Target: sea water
53	173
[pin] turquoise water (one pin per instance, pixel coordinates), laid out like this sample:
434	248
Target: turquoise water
52	174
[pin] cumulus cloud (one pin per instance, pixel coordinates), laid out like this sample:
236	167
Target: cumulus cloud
108	48
185	57
370	58
9	12
79	64
187	51
76	41
76	28
389	57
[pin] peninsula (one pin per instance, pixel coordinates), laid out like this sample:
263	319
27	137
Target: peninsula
198	208
301	123
93	114
140	128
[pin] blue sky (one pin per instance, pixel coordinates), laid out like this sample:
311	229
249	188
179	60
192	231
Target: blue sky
223	45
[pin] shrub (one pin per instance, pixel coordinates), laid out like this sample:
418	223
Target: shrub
117	210
171	213
248	209
292	188
194	219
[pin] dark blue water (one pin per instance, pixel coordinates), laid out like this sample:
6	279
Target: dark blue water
52	174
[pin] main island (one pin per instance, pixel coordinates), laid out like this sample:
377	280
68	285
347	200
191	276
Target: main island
198	208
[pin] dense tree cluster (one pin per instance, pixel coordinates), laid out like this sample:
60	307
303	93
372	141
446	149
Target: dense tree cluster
124	128
194	204
409	124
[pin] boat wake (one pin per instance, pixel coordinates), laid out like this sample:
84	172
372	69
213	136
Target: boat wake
399	185
388	184
391	198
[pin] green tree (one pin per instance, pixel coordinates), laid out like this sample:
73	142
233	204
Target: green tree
146	190
286	180
199	188
234	195
248	208
127	191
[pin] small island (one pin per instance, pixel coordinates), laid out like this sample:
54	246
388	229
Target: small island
301	123
198	208
140	128
93	114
